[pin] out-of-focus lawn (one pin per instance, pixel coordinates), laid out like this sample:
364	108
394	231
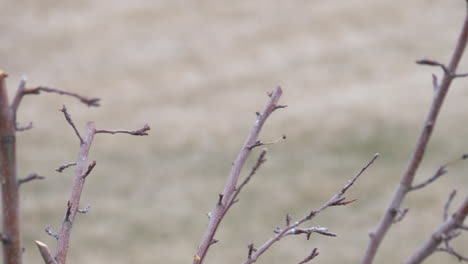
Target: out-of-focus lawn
197	71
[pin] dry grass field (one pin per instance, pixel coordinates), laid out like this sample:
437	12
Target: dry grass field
197	71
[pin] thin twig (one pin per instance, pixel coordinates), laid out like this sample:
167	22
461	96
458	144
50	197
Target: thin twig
65	166
377	236
70	121
332	201
441	171
45	253
74	201
430	62
139	132
443	233
310	257
220	211
83	99
447	204
30	177
261	159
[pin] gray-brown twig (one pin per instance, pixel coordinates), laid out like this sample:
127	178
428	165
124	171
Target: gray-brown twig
407	178
81	172
85	100
30	177
310	257
444	233
139	132
334	200
70	122
220	209
65	166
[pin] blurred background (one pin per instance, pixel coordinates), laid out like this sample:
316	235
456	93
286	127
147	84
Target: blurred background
196	72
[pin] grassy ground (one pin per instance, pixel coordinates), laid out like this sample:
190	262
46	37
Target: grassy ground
197	72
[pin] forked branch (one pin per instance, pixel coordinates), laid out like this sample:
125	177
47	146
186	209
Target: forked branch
81	172
291	227
407	178
218	213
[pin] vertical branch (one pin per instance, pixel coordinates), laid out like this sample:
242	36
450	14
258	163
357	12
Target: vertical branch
221	207
10	194
377	236
73	203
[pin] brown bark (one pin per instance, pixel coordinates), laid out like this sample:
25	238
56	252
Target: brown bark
12	250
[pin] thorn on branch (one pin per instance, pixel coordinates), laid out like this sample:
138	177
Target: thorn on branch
51	232
214	241
310	257
88	171
139	132
30	177
65	166
70	121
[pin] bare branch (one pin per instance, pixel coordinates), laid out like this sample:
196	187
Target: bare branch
229	189
70	121
441	171
74	201
407	178
310	257
65	166
30	177
83	99
45	253
139	132
280	233
451	251
443	233
460	75
308	231
261	159
448	202
430	62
